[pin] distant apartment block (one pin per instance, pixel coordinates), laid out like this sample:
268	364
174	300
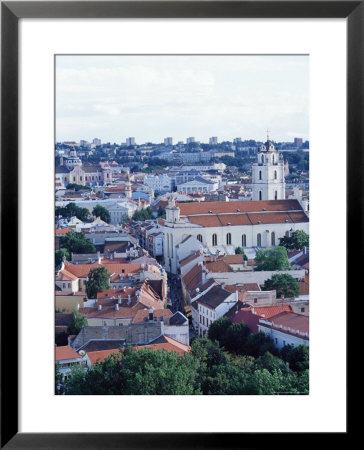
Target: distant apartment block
130	141
213	140
168	141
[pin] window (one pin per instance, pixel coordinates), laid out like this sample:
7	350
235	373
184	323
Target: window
228	239
275	174
287	233
260	174
275	195
260	195
255	300
302	310
262	159
273	159
214	239
273	238
199	237
243	240
259	240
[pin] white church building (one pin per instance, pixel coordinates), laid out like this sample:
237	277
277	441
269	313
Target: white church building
224	226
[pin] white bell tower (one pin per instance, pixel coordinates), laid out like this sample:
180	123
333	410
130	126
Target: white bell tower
172	211
268	174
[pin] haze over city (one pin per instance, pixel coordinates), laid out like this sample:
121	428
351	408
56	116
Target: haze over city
151	97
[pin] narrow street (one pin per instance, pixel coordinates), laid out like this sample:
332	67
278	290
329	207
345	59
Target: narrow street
175	293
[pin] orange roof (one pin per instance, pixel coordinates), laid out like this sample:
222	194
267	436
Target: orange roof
270	311
64	275
82	270
197	208
63	231
166	343
66	352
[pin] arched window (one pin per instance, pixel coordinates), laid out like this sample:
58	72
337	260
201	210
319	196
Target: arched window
199	237
287	233
273	238
262	159
273	158
260	174
243	240
260	195
228	239
275	174
214	239
275	195
259	240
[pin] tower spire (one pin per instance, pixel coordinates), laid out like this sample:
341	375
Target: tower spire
268	131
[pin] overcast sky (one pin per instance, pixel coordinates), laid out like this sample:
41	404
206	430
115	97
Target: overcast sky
152	97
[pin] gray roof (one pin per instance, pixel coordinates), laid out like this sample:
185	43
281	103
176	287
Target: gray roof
178	319
214	297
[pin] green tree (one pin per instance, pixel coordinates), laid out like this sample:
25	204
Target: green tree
284	284
236	337
297	241
76	243
77	322
98	281
142	372
272	259
71	210
143	214
60	254
103	213
257	344
218	329
297	357
240	251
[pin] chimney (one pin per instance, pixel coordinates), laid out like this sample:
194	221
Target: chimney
129	299
119	299
150	313
78	306
98	258
99	307
116	307
61	161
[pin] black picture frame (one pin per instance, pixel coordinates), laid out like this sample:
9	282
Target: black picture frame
11	12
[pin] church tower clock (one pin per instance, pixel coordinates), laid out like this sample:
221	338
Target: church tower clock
268	174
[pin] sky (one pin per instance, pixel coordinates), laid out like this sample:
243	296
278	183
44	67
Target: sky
112	97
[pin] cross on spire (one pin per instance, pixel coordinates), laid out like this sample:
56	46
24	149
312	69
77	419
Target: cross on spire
268	131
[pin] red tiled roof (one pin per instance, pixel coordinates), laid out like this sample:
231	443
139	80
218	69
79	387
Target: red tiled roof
290	320
164	342
270	311
250	320
193	278
63	231
218	266
65	275
187	209
66	352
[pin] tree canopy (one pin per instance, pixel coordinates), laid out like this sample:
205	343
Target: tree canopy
297	241
103	213
98	281
272	259
77	322
60	254
143	214
72	210
76	242
284	284
208	369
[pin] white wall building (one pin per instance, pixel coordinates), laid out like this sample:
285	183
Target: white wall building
159	183
268	174
230	224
